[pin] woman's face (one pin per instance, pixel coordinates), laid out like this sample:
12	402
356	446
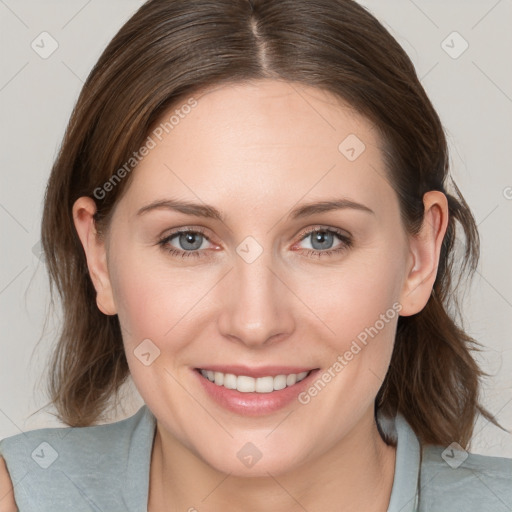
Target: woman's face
273	288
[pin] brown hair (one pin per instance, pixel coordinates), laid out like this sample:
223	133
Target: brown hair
171	49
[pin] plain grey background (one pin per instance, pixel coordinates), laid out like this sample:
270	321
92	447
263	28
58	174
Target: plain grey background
461	50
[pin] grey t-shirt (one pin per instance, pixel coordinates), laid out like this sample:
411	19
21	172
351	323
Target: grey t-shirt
105	468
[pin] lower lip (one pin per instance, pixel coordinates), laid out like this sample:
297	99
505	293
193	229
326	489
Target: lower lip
254	404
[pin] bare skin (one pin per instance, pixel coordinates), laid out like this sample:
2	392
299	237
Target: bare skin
7	503
255	152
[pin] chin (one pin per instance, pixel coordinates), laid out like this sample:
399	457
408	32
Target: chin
252	469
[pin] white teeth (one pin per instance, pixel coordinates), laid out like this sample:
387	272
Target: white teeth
230	381
291	379
246	384
280	382
264	385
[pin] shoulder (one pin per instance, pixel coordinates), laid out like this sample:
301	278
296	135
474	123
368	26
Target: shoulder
452	479
7	503
52	464
46	445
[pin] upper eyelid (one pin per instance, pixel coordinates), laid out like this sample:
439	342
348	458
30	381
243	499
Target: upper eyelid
305	231
336	231
185	230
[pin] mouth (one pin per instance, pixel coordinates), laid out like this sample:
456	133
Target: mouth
247	384
254	391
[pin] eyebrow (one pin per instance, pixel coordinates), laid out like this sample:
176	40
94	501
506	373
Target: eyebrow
326	206
207	211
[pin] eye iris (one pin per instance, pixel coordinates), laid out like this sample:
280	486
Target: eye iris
188	238
321	236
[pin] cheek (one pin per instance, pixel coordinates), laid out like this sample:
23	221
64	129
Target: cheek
150	311
354	296
360	306
147	298
159	303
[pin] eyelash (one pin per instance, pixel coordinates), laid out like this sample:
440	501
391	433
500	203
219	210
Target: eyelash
346	242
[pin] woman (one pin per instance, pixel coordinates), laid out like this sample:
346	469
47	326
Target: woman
251	216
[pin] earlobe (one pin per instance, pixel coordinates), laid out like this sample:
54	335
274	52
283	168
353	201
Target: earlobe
425	249
95	252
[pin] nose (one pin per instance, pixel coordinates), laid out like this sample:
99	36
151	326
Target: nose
256	305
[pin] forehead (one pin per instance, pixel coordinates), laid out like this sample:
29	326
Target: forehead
270	140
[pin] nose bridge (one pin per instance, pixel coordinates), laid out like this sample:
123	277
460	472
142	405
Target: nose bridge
256	305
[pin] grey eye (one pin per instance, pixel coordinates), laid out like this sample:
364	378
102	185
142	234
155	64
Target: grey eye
189	240
321	240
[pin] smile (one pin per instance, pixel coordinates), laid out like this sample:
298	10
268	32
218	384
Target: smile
246	384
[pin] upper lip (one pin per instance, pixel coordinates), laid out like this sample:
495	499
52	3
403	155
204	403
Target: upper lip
260	371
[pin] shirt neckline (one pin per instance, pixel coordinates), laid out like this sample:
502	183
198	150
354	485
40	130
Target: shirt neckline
135	493
404	492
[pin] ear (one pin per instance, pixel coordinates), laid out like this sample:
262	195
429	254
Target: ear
95	252
425	248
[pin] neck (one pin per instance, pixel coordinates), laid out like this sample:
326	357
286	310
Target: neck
356	474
